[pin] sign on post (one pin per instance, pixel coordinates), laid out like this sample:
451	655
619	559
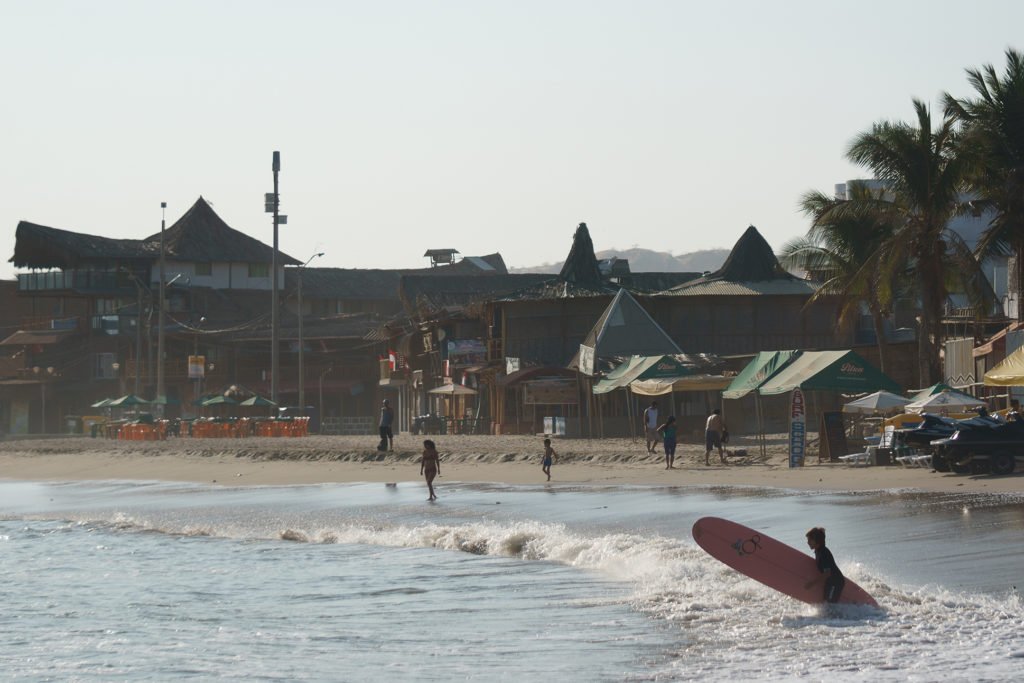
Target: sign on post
587	360
797	428
196	366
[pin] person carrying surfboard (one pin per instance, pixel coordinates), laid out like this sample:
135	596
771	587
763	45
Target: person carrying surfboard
827	567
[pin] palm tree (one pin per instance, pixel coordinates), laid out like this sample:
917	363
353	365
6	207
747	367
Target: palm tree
924	174
994	123
842	252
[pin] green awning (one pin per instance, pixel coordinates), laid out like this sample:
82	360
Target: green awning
936	388
843	371
758	371
641	368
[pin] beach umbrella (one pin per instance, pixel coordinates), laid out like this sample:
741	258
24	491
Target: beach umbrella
257	401
219	401
453	390
165	401
878	402
127	400
945	399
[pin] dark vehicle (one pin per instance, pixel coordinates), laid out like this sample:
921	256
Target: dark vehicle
980	445
428	424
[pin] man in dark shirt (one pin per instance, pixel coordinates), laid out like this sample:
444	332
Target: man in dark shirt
387	438
827	568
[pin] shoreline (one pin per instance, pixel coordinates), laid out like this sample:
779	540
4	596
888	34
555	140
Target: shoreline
507	459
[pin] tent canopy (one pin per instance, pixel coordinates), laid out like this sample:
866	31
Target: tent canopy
1009	372
843	371
256	400
758	371
936	388
945	400
128	400
641	368
665	385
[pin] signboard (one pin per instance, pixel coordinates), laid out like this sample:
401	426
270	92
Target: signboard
831	437
196	366
587	360
797	428
511	365
465	352
550	393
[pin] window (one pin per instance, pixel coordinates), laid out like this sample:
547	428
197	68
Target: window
259	270
103	366
207	269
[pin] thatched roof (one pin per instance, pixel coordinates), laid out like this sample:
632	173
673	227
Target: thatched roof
580	276
198	236
751	269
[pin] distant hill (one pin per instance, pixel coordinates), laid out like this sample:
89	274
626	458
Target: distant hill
649	261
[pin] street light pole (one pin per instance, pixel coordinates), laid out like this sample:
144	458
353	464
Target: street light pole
302	370
195	353
160	391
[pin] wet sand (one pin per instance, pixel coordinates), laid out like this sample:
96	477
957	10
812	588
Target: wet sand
506	459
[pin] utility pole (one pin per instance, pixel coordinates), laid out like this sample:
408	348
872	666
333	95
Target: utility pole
160	390
274	322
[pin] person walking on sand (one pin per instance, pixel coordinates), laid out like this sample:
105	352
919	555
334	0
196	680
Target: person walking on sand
387	416
549	455
651	426
668	435
713	435
430	466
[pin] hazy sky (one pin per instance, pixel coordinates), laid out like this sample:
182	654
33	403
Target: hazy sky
479	126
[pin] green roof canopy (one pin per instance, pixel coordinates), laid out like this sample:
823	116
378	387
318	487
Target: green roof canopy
758	371
639	368
936	388
843	371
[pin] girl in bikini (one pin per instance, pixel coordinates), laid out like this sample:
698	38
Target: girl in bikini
430	465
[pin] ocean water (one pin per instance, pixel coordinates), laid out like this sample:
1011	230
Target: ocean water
156	581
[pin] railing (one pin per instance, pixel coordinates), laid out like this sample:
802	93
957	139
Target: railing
79	280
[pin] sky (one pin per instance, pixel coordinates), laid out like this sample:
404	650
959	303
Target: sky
474	125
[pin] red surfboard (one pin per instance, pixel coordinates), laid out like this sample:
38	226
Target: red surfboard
771	562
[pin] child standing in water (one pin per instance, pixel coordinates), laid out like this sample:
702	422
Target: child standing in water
827	568
549	454
668	438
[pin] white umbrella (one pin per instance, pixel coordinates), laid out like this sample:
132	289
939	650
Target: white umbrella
453	390
945	399
878	402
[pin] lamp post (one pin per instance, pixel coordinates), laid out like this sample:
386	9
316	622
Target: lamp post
160	391
116	367
42	395
302	371
195	353
321	407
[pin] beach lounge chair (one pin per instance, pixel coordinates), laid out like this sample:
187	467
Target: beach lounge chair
857	459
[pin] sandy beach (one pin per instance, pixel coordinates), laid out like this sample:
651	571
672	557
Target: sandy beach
506	459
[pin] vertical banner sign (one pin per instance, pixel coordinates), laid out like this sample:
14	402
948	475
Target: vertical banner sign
797	428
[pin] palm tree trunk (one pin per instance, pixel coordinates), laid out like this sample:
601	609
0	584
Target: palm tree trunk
880	339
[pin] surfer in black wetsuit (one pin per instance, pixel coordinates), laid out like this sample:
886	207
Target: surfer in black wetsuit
827	568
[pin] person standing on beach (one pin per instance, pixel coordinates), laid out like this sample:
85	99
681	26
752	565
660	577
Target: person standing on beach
651	426
668	434
387	438
430	466
713	435
549	455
